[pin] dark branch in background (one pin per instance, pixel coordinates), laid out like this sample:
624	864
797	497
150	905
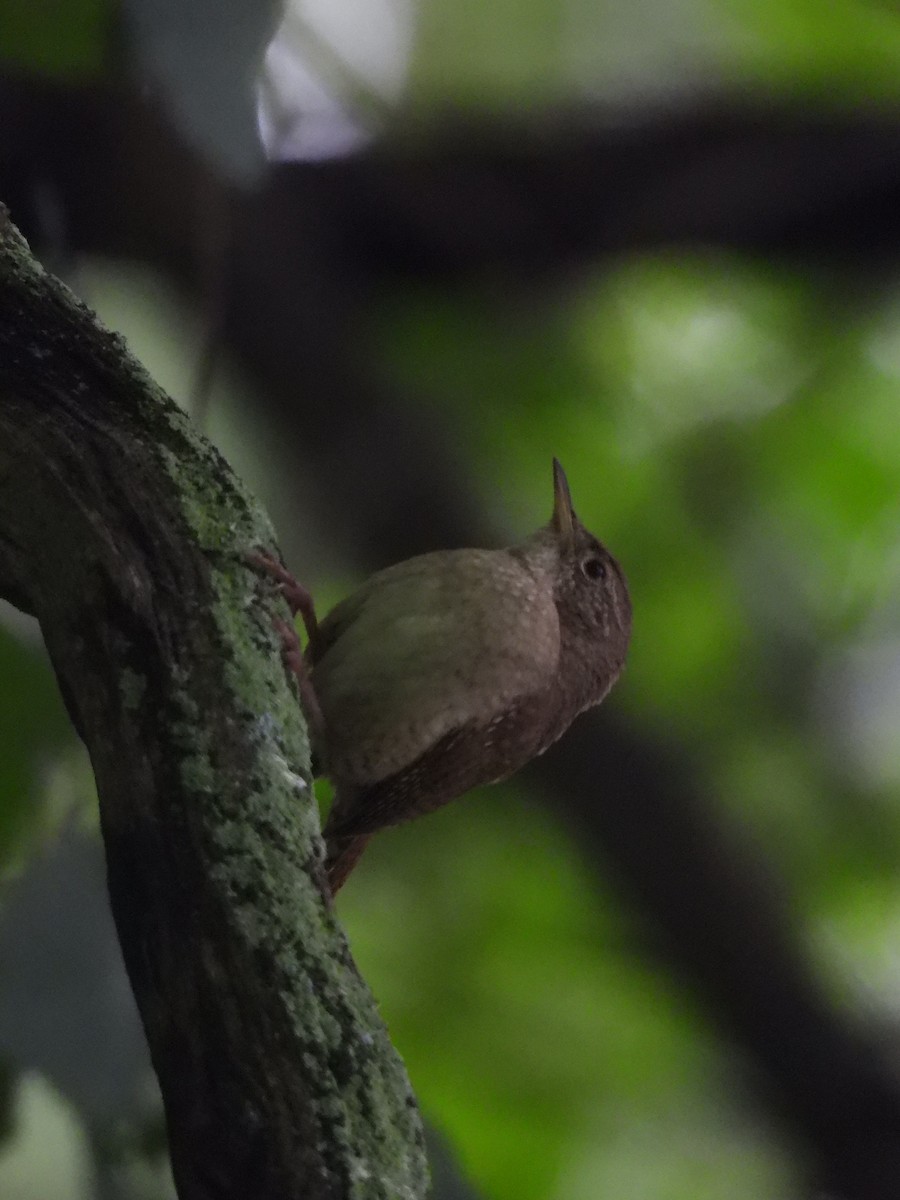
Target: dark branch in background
519	197
518	201
719	920
531	199
124	533
521	206
525	203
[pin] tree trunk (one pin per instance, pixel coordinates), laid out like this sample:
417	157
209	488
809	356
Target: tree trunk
125	532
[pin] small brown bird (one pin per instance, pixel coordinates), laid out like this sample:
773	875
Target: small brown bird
454	669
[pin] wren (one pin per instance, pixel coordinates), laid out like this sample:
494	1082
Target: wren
452	670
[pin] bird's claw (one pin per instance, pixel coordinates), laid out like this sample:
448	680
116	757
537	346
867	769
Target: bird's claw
299	600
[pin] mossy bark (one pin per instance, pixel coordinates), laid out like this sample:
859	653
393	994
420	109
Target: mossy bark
125	532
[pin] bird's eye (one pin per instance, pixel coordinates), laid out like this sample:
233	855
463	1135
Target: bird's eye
594	568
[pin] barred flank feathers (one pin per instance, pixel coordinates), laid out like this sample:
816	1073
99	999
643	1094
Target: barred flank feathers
343	855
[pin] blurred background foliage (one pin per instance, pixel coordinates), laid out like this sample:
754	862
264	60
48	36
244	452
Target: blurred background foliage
658	241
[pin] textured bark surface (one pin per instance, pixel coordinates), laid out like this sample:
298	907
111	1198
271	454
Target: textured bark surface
123	531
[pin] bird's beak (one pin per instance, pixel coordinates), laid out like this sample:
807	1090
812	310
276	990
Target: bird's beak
563	519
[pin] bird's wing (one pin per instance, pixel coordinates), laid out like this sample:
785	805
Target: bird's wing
424	648
469	756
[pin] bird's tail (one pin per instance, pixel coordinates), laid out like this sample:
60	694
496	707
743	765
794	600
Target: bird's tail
343	855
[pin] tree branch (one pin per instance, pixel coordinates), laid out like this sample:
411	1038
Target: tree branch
124	533
718	917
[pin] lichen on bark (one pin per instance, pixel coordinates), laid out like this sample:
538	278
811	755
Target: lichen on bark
124	532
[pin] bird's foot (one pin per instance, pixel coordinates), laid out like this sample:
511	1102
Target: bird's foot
299	599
